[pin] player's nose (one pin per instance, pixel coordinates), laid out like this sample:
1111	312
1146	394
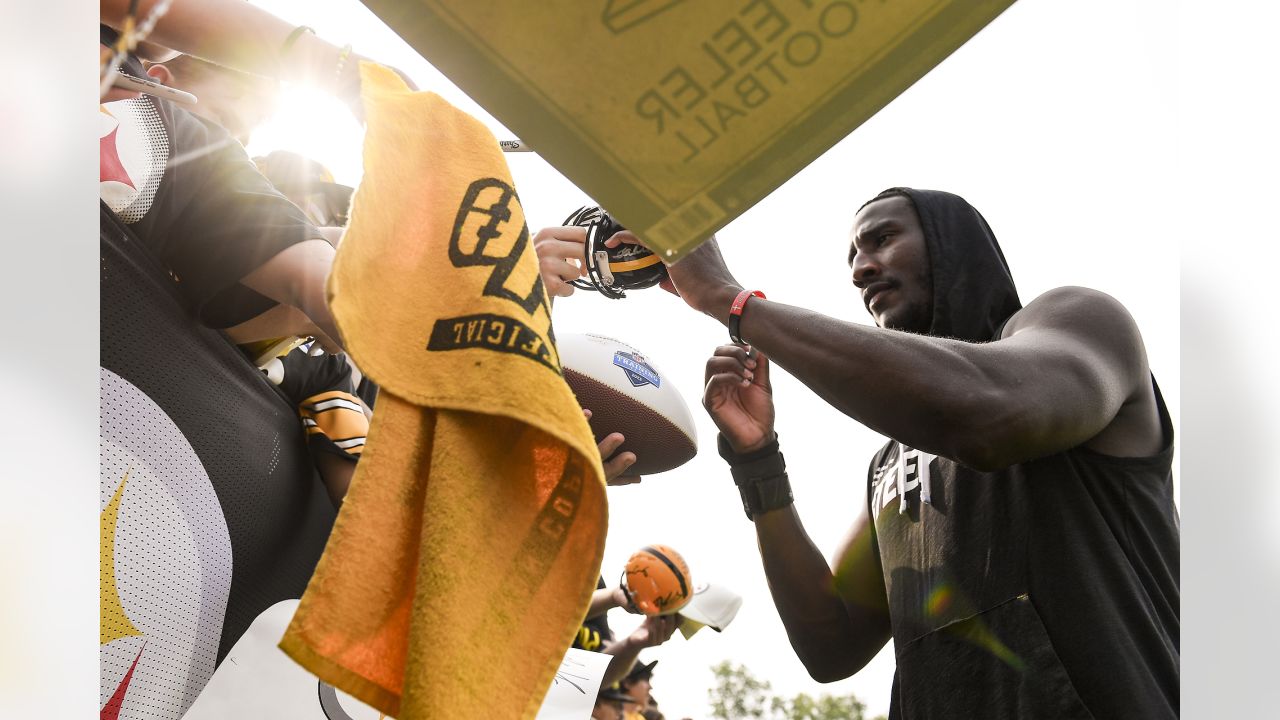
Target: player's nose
865	269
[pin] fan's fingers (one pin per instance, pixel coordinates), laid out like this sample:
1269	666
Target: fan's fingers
610	445
558	267
572	233
562	249
614	469
623	236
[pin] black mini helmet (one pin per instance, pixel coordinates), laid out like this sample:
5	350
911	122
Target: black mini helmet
612	270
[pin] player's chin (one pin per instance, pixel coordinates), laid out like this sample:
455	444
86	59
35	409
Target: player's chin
883	318
899	321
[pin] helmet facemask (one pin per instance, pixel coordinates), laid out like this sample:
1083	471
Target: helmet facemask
610	271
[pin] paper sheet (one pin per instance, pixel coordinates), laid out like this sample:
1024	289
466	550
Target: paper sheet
573	693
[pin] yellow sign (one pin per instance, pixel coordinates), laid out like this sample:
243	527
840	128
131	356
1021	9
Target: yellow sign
678	115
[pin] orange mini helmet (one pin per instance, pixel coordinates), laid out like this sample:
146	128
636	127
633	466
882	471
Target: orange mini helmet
656	580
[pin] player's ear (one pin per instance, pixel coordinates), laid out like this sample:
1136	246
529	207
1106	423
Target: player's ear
161	74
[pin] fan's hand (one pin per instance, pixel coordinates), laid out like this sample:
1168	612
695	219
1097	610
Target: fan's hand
561	258
655	630
614	467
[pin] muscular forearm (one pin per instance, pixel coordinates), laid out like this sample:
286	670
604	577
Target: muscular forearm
832	639
1063	368
934	394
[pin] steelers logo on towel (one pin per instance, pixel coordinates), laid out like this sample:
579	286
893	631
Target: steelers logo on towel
490	233
165	565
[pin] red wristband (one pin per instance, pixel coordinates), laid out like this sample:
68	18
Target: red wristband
735	313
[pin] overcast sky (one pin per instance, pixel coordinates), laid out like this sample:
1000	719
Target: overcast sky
1057	122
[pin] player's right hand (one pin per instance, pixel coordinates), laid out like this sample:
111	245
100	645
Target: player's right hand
739	398
701	278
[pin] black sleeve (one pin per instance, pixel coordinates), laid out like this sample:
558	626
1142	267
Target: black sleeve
227	220
367	390
320	386
307	375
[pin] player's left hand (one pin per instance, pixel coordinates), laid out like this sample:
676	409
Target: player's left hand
739	397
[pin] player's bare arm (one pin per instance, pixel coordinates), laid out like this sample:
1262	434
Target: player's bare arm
833	636
1065	368
1057	379
836	623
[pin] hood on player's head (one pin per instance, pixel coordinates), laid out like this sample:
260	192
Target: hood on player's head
940	262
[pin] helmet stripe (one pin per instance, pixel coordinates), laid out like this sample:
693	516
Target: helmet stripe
684	590
643	262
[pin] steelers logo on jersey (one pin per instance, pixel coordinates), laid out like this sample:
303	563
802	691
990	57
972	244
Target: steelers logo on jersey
133	151
165	563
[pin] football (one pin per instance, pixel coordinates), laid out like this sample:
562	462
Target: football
627	393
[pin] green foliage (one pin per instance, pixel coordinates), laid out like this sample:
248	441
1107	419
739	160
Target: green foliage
739	695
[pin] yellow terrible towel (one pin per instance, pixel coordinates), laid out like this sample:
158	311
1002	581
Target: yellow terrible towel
468	546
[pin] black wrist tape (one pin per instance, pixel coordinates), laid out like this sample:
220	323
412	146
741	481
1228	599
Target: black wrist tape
734	459
761	477
761	496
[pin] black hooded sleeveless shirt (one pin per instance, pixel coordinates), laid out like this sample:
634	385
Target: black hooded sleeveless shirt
1048	589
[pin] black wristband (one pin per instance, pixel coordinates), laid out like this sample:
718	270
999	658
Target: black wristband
759	464
761	477
761	496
